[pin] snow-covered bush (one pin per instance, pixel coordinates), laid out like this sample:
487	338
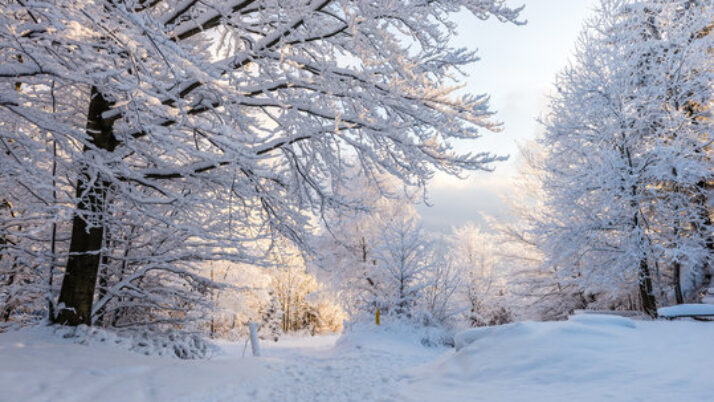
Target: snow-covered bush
397	328
271	319
170	343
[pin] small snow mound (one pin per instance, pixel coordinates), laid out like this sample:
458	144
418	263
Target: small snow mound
182	345
686	310
394	335
603	320
466	338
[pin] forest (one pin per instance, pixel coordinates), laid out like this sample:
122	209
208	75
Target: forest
173	172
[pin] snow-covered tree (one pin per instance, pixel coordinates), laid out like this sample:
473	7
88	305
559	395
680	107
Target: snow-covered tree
291	284
538	281
220	122
403	258
538	289
271	319
348	243
444	281
476	256
148	275
628	155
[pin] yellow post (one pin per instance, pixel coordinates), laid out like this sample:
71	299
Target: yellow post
376	317
18	85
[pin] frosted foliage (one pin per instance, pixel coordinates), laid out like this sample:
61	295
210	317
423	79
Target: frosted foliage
401	265
628	171
484	269
153	135
381	258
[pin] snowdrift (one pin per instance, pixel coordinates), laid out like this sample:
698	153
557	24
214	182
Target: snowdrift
687	310
589	357
38	364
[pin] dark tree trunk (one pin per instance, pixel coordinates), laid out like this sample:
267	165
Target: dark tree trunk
649	304
677	275
7	309
678	283
215	301
79	281
77	292
704	188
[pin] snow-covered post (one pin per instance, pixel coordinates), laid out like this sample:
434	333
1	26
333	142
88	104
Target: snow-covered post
253	328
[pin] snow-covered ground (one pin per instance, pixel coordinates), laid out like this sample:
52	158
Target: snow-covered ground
586	358
686	310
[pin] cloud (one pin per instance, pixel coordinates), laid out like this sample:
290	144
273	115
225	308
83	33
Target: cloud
455	202
517	70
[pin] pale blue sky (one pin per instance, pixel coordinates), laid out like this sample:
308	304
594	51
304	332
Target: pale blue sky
517	68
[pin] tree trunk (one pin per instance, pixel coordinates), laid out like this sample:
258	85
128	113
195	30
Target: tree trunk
649	304
77	292
703	190
213	318
678	283
7	309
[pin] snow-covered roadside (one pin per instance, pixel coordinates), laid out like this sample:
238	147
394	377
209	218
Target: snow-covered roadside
586	358
37	365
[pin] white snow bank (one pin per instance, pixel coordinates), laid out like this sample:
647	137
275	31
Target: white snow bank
38	365
589	358
681	310
525	329
149	343
397	335
466	338
603	320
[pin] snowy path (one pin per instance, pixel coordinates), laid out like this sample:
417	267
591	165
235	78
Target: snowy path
361	369
35	366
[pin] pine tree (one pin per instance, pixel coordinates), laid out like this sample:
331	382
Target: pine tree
271	319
